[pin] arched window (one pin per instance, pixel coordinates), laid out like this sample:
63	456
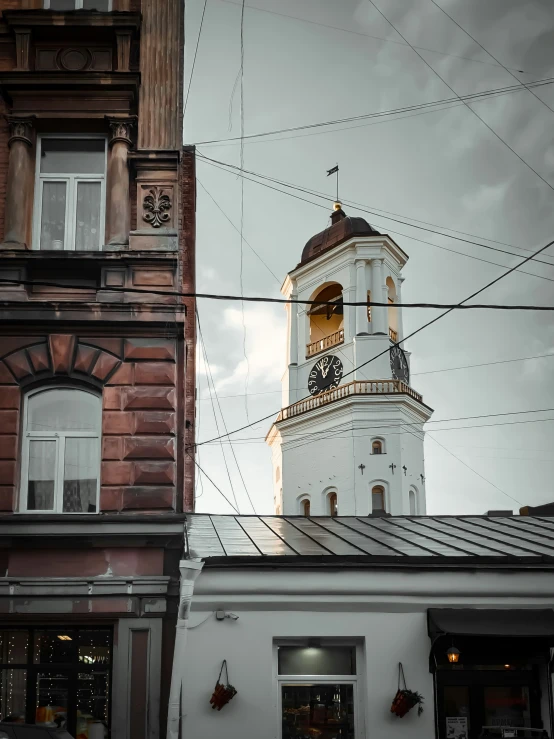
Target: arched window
61	451
326	322
333	504
306	507
392	311
377	447
413	502
378	498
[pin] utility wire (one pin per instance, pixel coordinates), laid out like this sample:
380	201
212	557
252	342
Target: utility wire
208	368
475	96
238	231
366	35
208	378
194	59
421	328
507	69
225	168
213	483
367	209
465	103
286	301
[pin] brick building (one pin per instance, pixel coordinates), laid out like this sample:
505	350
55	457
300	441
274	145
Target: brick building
97	207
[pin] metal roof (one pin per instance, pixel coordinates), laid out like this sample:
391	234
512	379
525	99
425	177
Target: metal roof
401	540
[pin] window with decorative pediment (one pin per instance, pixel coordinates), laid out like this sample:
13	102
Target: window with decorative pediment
61	451
70	193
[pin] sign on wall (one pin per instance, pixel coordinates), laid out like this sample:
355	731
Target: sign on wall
456	727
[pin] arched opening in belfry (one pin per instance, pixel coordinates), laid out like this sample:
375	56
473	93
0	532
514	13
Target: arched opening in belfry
327	321
392	309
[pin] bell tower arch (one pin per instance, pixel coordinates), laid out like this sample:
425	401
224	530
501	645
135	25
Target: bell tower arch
349	414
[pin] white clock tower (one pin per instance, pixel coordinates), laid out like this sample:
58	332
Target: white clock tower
349	439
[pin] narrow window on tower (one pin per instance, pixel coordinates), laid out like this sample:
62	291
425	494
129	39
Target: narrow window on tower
377	447
413	502
333	505
306	507
378	498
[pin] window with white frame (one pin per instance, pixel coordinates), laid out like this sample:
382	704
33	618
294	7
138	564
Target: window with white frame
103	5
61	451
70	193
317	690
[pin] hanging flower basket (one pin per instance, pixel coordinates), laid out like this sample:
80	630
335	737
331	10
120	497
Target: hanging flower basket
223	692
405	699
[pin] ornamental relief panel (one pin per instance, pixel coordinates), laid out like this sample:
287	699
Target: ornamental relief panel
157	206
74	59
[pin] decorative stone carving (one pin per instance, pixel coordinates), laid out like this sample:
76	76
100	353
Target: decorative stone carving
121	129
21	129
74	60
156	207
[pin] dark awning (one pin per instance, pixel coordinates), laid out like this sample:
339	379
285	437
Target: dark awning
486	622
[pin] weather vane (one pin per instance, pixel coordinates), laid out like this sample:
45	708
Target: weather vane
335	170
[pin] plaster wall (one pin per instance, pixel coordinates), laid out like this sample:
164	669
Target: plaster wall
384	611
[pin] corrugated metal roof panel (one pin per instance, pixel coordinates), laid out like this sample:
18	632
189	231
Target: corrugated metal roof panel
425	538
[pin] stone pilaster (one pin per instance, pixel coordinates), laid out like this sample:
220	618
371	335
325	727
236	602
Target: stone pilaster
118	203
19	187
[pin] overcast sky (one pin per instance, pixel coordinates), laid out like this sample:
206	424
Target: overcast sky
307	61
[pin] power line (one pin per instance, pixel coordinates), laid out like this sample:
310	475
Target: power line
194	59
466	104
286	301
238	231
226	167
421	328
366	35
213	483
415	374
384	214
392	111
209	371
508	70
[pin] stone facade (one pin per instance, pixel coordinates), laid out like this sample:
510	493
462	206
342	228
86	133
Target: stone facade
107	320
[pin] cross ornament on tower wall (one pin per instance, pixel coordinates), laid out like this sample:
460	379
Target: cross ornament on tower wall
393	467
361	467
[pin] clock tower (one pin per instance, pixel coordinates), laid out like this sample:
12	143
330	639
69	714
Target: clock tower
349	438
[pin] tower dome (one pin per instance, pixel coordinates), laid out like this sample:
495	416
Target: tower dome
342	228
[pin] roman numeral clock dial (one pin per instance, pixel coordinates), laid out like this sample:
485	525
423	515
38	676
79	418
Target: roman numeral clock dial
399	365
326	374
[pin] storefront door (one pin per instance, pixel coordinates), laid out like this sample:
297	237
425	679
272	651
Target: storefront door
471	699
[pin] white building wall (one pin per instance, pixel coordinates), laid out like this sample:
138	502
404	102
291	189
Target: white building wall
384	611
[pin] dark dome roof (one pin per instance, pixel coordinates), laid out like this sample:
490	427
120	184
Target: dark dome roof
343	227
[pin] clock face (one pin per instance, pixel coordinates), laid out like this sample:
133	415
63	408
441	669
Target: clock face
399	365
326	374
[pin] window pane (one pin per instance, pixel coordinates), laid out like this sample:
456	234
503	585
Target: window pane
80	475
13	692
325	711
87	221
96	4
13	647
42	474
317	661
53	646
507	705
63	410
377	500
94	647
92	700
62	4
72	156
52	215
51	701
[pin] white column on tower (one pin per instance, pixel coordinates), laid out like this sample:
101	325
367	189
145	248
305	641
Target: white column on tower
293	332
378	313
361	296
399	327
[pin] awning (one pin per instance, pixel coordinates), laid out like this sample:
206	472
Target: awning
486	622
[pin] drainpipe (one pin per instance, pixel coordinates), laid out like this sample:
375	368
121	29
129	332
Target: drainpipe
190	569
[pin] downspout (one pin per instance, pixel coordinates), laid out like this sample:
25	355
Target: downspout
190	569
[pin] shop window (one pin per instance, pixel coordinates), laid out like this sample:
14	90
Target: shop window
333	504
70	194
378	498
61	451
317	690
104	5
377	447
57	678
